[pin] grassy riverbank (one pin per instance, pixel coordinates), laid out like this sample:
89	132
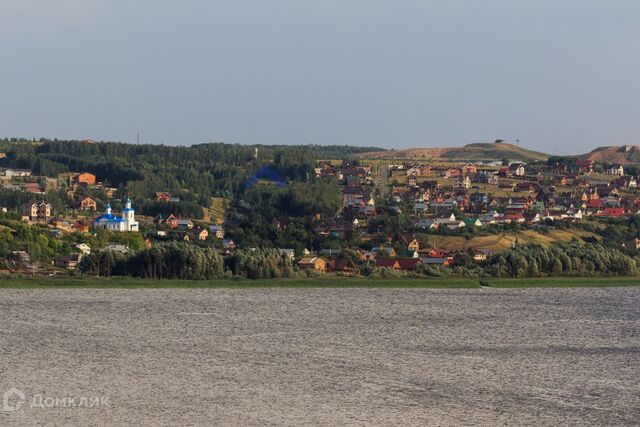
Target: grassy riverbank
323	282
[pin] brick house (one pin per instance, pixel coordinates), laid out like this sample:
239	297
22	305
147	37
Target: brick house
88	204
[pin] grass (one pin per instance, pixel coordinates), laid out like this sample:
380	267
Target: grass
321	282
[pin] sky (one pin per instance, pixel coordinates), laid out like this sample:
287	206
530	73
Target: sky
561	76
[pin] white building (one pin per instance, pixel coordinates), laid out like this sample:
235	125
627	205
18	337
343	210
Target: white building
109	221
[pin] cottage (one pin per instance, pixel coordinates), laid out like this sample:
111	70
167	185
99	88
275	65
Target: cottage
15	173
69	262
585	166
444	261
84	178
409	264
33	187
410	242
88	204
217	231
162	196
470	168
462	182
388	263
313	263
452	173
81	226
516	169
287	253
199	233
344	265
36	211
118	248
615	169
184	223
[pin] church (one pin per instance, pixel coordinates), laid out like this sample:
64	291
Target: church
108	221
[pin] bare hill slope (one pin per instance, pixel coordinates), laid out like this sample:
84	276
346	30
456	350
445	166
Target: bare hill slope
478	151
624	154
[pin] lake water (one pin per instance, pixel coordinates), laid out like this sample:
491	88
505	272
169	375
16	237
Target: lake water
321	356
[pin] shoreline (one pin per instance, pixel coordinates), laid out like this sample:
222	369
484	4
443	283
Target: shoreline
333	282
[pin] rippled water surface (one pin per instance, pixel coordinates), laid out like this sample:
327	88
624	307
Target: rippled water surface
322	356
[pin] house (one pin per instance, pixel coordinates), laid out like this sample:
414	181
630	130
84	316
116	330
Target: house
560	180
530	187
481	254
61	224
88	204
472	222
388	263
384	250
443	260
615	169
452	173
184	223
118	248
313	263
287	253
126	222
344	265
419	170
409	264
503	172
83	248
84	178
21	258
585	166
217	231
81	226
516	169
487	177
462	182
199	233
470	168
70	262
15	173
33	187
611	213
162	196
426	224
36	211
410	242
228	244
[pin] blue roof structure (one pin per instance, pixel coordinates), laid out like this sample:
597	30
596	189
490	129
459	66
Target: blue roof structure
267	174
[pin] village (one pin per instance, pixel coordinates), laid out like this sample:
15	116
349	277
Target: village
439	198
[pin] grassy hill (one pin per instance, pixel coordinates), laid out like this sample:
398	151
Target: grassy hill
471	152
216	212
503	241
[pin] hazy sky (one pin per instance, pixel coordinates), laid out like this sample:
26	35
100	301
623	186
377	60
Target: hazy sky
561	75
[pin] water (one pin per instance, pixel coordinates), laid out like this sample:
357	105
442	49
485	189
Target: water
324	356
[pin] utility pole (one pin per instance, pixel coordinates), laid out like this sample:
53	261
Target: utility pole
138	138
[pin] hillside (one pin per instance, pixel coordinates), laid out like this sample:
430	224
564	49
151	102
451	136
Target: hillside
503	241
477	151
625	154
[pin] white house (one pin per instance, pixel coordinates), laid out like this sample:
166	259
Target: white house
126	222
616	169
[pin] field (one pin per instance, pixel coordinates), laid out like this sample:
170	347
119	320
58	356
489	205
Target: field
322	356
